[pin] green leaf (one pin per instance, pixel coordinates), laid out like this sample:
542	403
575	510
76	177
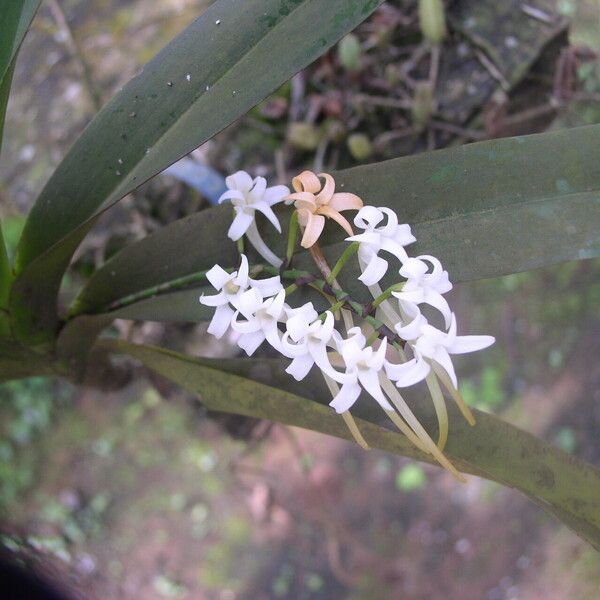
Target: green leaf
16	18
485	210
567	487
5	280
211	74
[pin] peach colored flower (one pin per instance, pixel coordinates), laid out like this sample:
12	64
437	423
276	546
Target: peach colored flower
314	202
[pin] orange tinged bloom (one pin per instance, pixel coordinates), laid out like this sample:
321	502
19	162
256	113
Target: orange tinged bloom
315	201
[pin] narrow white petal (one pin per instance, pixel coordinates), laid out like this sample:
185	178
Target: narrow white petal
412	330
393	247
300	366
241	278
408	373
239	225
216	300
318	351
248	303
249	342
370	381
291	349
272	334
275	194
471	343
413	268
368	217
276	307
220	321
438	301
346	397
240	180
375	270
266	210
258	189
218	277
267	287
256	240
232	195
443	359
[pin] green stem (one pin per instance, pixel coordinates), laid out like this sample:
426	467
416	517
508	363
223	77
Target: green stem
348	253
333	308
292	237
397	287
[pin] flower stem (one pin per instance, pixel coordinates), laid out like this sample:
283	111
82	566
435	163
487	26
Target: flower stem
348	418
290	289
350	251
403	408
397	287
440	408
292	237
456	395
256	240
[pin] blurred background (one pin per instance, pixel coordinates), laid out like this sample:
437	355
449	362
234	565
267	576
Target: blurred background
140	493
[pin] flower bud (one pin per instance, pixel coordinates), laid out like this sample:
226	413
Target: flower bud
432	20
304	136
422	104
360	146
349	52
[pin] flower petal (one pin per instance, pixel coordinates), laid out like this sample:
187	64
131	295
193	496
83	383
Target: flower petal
258	189
370	381
249	342
267	287
266	210
241	278
368	217
375	270
249	302
221	320
275	194
471	343
218	277
300	366
336	216
216	300
314	228
231	195
307	181
240	180
443	359
408	373
346	397
438	301
240	225
324	196
345	201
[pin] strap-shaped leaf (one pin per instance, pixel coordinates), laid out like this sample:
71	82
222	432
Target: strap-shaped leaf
564	485
486	209
15	18
211	74
5	279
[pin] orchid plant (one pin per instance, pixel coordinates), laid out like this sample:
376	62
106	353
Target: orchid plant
358	333
393	347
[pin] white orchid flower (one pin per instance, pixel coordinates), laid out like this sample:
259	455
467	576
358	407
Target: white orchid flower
305	341
423	286
390	238
407	373
261	319
363	365
437	345
248	196
231	286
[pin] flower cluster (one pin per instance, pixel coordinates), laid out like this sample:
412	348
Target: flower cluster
396	346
